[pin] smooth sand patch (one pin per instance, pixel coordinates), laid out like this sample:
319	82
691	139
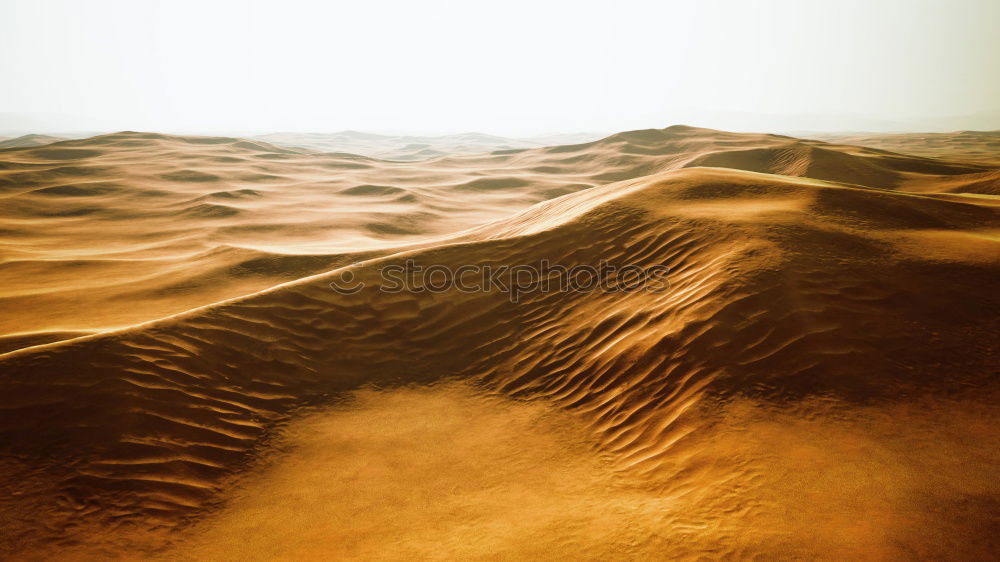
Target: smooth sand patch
448	473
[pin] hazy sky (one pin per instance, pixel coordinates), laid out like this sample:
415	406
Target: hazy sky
508	67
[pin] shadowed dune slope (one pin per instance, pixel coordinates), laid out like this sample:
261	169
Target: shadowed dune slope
109	231
782	291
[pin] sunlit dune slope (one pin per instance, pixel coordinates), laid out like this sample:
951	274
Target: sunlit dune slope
784	293
117	229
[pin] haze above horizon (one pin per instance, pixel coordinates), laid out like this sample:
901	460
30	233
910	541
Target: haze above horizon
517	68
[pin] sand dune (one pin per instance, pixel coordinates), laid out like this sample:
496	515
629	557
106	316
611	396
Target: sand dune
967	146
28	140
116	229
109	231
817	381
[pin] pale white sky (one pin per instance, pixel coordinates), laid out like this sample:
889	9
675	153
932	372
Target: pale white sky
508	67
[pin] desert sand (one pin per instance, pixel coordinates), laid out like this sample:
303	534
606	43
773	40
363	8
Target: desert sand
181	382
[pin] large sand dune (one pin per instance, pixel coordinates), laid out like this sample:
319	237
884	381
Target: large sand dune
817	381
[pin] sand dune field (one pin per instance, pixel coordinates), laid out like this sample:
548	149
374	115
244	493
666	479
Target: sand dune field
816	377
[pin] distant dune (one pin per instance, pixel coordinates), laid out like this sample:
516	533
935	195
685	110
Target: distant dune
414	148
971	146
28	141
817	382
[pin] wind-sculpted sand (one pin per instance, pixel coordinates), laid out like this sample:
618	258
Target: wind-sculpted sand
817	381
